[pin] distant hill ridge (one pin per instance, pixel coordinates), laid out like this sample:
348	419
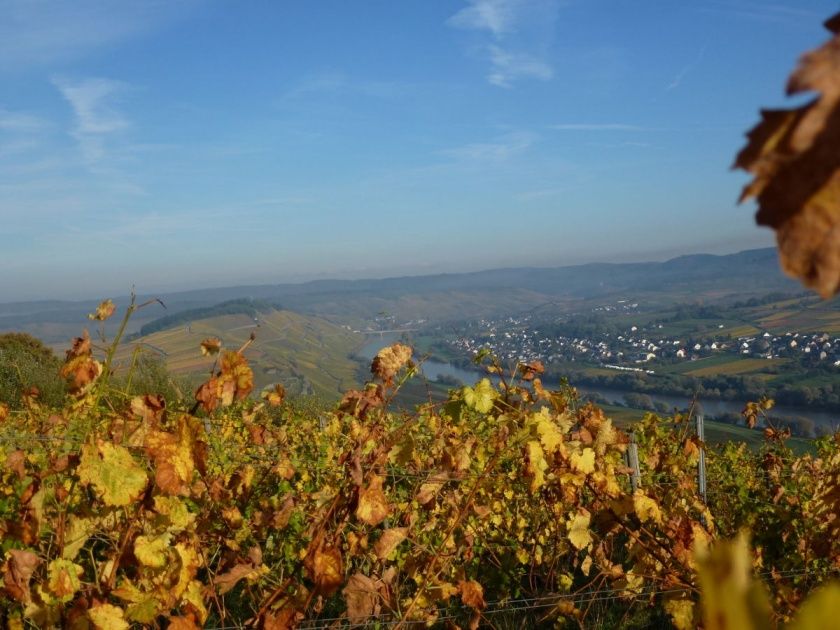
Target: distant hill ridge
448	296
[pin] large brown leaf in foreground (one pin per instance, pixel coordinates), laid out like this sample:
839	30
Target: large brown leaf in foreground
795	157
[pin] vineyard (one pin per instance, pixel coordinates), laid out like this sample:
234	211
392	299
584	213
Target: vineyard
505	506
511	504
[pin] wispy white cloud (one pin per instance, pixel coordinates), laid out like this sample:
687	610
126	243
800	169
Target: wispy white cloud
93	101
42	32
20	122
499	150
678	78
510	66
496	16
597	127
517	35
332	83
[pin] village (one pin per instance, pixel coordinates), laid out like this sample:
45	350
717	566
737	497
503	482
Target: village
638	348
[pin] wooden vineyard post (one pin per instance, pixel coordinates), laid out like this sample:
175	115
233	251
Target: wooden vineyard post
633	462
701	464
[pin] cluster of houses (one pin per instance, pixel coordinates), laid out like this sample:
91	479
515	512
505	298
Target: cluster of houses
637	348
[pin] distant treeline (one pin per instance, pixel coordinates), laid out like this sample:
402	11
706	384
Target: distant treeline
716	387
231	307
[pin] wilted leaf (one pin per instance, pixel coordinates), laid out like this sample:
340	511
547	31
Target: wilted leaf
481	396
472	594
112	471
226	581
361	596
182	623
211	346
326	570
107	617
175	455
63	579
17	571
373	506
793	155
389	541
389	361
275	396
103	311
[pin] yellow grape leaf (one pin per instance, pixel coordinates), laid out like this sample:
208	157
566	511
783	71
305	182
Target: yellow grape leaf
728	594
794	158
78	530
194	597
681	612
103	311
63	579
144	611
481	396
389	541
583	462
190	564
536	464
819	610
550	436
175	511
107	617
578	530
112	471
646	509
152	551
373	506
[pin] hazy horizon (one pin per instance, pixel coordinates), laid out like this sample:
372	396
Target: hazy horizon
162	288
201	144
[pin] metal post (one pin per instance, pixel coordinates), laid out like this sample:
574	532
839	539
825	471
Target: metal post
701	465
633	462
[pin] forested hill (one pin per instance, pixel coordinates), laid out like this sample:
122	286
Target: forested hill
457	295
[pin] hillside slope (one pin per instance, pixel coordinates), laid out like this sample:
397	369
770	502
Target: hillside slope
307	354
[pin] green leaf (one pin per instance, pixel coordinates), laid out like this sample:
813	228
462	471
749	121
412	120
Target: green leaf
113	472
481	397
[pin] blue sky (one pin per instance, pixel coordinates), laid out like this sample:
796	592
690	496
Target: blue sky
173	145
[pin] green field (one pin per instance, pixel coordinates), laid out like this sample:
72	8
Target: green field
309	355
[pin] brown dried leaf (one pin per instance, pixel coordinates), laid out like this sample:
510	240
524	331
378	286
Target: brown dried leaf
326	570
226	581
211	346
361	596
389	361
389	541
17	571
794	158
373	506
103	311
472	594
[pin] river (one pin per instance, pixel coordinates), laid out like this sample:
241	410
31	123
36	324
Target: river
433	369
